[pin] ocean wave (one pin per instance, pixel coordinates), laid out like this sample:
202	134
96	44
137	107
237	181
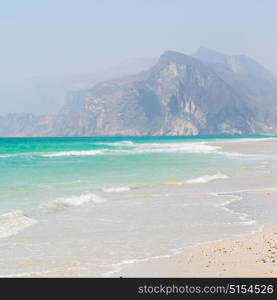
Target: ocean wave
245	140
144	148
73	201
15	154
13	222
141	149
58	153
74	153
246	155
197	147
122	143
245	219
117	267
207	178
116	189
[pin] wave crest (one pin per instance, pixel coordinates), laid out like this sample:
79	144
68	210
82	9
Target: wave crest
74	153
116	189
13	222
74	201
207	178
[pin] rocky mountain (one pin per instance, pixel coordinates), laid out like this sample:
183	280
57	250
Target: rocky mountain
238	64
46	95
205	94
255	83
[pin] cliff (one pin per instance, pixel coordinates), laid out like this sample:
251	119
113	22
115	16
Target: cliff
205	94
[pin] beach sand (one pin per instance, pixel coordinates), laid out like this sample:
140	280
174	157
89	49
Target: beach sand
250	256
253	255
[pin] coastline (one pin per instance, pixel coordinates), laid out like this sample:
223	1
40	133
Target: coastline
205	222
253	255
246	255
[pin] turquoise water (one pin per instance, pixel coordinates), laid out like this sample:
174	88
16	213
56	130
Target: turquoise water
103	194
34	170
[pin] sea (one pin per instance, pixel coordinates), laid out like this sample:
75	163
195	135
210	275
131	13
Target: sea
88	206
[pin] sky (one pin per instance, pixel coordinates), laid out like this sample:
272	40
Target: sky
63	37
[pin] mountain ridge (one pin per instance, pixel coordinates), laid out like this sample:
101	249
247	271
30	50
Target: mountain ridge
203	94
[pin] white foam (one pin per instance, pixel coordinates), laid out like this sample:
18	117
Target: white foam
13	222
207	178
141	148
122	143
246	155
245	219
245	140
74	153
116	189
74	201
14	155
197	147
118	266
138	148
250	222
5	155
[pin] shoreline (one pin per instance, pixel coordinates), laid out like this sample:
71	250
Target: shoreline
202	228
252	255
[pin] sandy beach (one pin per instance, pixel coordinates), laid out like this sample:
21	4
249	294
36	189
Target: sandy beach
253	255
250	256
178	209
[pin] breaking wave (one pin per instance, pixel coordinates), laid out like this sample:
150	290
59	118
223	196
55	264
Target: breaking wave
207	178
73	201
74	153
13	222
143	148
116	189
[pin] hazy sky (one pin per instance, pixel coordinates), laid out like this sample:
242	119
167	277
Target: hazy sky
56	37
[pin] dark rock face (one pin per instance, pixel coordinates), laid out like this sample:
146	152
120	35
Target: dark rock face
209	94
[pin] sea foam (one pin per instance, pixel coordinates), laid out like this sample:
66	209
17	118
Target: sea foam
142	148
116	189
73	201
207	178
13	222
74	153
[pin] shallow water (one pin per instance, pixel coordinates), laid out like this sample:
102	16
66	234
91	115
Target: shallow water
86	206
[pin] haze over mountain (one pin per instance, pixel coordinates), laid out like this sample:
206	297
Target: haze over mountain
46	95
208	93
241	72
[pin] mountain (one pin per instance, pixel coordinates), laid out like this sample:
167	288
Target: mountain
245	75
46	95
239	64
204	94
256	84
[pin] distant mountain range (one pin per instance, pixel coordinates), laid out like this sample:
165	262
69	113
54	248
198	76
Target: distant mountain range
46	95
208	93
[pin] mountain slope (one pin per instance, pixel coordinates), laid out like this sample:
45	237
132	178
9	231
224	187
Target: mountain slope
256	84
46	95
179	95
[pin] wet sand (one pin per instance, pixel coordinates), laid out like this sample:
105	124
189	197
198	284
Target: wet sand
253	255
